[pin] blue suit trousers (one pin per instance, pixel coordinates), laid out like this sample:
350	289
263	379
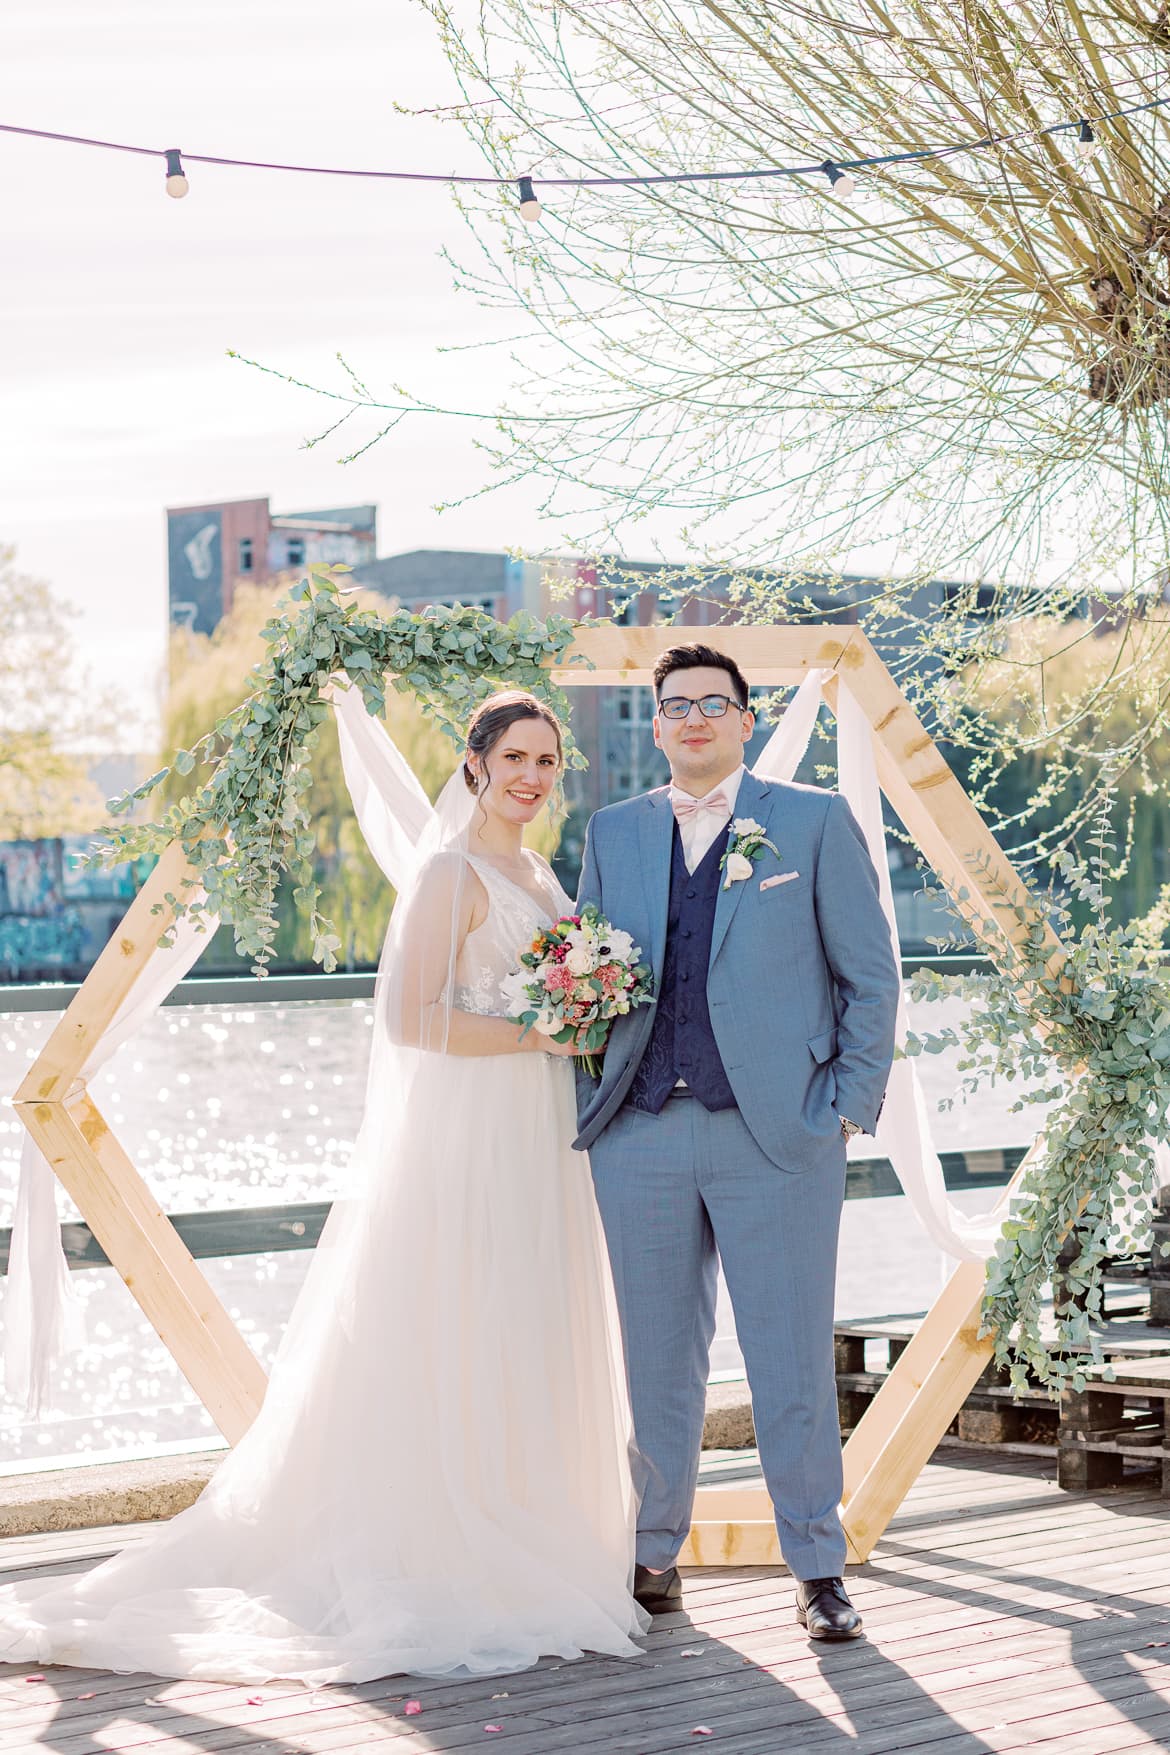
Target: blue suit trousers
678	1192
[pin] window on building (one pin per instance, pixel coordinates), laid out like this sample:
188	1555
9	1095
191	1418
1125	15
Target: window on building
489	605
296	551
245	561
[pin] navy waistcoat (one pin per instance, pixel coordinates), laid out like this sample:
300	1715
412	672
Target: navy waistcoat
682	1043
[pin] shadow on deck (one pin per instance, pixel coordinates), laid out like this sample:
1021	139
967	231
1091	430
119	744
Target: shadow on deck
1001	1615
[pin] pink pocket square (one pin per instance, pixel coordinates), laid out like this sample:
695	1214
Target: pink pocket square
785	877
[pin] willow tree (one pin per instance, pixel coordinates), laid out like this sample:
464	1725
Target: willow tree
960	369
972	336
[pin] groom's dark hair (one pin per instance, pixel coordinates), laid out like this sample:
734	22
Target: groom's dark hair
695	656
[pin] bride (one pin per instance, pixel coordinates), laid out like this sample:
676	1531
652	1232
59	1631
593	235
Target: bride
439	1478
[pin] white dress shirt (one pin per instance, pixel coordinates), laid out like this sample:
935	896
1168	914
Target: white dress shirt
699	832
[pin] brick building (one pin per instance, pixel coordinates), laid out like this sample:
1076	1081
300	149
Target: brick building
211	548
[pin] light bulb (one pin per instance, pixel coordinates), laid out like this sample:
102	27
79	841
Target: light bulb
177	184
1087	142
841	183
529	205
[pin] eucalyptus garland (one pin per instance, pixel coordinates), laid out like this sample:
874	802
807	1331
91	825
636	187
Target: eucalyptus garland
248	825
1094	1035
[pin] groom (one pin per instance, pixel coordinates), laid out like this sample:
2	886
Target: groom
718	1126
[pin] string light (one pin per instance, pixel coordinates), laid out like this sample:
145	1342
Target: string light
177	184
529	205
839	172
841	183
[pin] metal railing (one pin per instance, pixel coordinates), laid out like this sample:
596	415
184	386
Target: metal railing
54	996
261	1230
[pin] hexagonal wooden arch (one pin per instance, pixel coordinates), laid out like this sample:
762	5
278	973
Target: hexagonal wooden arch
932	1378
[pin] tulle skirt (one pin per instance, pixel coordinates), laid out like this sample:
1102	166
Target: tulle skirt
439	1480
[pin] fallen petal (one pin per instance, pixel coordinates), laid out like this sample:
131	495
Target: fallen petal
39	1677
255	1700
411	1707
493	1727
92	1695
702	1731
693	1651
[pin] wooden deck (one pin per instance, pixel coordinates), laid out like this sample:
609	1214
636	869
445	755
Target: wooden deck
1001	1615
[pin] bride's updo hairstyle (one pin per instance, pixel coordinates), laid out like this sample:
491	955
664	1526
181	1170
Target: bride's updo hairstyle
493	717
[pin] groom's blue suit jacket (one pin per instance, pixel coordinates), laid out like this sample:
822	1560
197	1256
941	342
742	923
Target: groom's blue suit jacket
802	985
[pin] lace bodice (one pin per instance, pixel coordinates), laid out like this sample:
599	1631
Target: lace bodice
492	950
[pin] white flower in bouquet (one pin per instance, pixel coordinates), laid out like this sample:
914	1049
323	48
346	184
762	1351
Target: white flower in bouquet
620	947
581	960
744	826
514	990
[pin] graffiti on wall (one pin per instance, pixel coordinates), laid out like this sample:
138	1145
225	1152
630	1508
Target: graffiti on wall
39	929
32	878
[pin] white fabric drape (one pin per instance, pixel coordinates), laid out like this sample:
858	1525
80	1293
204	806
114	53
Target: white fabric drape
904	1129
44	1319
392	810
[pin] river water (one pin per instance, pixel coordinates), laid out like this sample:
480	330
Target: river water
222	1107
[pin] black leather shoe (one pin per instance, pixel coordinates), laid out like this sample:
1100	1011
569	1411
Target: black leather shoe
823	1607
658	1592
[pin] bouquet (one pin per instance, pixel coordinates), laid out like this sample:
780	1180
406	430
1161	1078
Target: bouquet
575	978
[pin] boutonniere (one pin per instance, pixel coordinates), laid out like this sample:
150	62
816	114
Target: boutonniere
747	838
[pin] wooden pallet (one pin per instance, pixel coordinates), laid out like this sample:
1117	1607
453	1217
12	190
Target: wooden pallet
1114	1422
993	1413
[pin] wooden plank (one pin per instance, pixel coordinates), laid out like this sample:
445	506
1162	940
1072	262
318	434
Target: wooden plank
932	803
772	653
979	1637
109	982
145	1248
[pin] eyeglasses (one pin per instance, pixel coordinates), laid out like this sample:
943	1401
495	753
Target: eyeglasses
710	706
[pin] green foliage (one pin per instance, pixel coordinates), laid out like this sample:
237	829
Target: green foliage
1092	1028
208	676
250	824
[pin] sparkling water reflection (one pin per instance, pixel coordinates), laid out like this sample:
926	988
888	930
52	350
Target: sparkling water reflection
256	1106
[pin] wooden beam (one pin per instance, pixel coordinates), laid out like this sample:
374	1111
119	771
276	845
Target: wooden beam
115	1202
766	654
109	983
148	1253
932	804
948	1317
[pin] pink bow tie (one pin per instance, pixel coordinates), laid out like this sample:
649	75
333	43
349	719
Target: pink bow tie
686	807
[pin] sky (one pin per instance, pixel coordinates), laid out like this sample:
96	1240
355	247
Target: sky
118	304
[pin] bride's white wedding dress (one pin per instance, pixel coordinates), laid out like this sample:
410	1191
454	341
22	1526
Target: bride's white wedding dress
439	1479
